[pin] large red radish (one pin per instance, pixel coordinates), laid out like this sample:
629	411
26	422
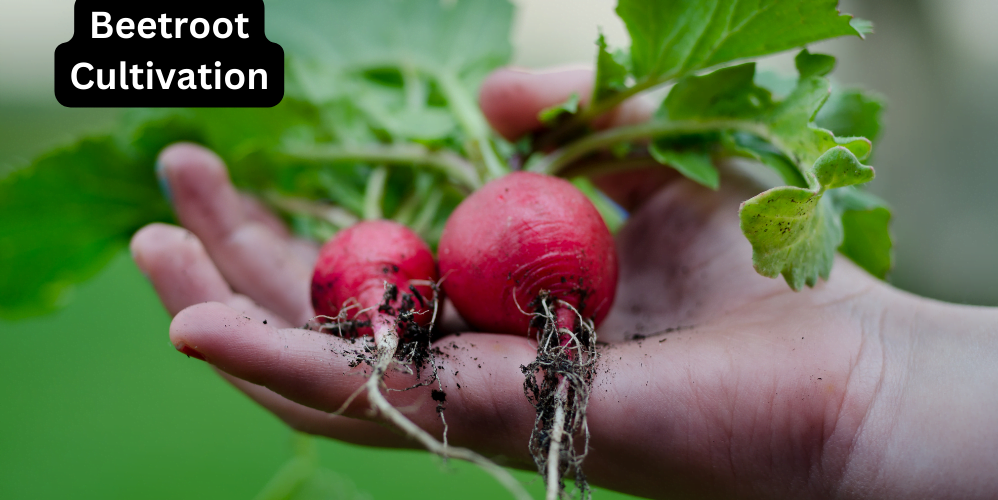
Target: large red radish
529	254
519	236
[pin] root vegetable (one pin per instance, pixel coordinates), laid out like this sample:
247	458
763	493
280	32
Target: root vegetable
367	270
521	235
529	254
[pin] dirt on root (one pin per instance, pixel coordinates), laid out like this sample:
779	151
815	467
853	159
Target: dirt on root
561	376
414	339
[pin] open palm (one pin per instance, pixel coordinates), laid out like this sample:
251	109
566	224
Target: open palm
715	381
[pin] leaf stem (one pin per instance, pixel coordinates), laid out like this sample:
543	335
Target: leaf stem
599	108
473	123
340	218
560	159
452	165
374	194
425	216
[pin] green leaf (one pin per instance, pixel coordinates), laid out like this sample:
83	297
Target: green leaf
695	164
749	146
839	167
419	124
790	125
852	113
790	121
677	37
66	214
63	217
466	38
613	215
866	226
862	26
551	114
611	71
407	55
393	52
809	64
731	93
794	232
725	93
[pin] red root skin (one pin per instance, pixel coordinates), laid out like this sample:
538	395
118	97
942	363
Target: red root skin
356	263
567	321
520	235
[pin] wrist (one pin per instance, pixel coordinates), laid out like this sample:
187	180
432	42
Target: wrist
929	431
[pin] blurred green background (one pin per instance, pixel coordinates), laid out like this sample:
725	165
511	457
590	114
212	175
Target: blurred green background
96	403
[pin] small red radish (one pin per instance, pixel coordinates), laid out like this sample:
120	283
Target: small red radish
521	235
528	254
354	267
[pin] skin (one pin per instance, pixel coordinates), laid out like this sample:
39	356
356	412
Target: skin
520	234
852	389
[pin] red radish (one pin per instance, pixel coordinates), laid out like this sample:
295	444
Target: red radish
354	267
529	254
517	236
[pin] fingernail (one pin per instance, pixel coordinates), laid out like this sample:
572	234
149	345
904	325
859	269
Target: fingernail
190	352
164	184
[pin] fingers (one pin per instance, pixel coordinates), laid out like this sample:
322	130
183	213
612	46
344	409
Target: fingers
250	253
488	411
305	250
183	275
512	98
179	268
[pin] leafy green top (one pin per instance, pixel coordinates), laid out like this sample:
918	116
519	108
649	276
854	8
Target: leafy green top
380	120
794	229
678	38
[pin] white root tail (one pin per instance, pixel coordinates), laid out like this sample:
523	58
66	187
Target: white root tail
558	383
387	344
554	450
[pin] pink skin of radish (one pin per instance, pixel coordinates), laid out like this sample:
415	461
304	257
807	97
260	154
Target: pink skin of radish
517	236
356	263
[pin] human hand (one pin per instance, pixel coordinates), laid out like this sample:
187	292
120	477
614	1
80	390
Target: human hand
741	388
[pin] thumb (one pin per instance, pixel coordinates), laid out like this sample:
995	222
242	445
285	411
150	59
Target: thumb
511	99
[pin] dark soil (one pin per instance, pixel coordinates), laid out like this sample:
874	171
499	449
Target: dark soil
575	364
414	339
